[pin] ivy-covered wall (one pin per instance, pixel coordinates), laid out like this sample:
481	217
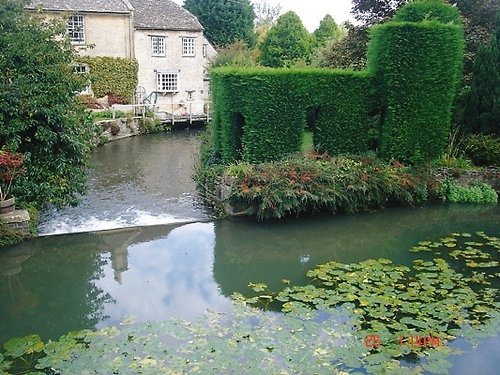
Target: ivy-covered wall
417	66
414	68
260	114
112	75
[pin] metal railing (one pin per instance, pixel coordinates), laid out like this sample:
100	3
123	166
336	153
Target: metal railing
169	109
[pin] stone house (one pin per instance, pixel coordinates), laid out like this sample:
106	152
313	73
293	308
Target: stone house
166	40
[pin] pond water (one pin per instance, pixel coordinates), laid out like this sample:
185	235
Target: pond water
55	284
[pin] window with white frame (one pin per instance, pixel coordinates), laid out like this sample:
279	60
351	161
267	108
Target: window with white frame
188	46
167	81
76	29
158	45
204	50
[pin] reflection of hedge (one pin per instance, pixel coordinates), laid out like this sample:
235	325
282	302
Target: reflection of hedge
112	75
261	113
417	67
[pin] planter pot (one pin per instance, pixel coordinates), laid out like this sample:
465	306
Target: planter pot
7	206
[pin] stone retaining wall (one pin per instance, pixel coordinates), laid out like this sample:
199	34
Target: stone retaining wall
489	175
18	220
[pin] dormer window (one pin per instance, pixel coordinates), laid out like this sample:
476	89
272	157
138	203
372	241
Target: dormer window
76	29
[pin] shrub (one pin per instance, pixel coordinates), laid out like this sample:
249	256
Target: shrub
89	102
235	54
8	236
112	76
483	150
319	182
477	193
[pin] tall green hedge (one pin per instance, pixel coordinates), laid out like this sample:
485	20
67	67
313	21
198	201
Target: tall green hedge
414	64
417	68
261	113
114	75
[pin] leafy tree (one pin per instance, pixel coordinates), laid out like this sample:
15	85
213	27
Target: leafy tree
40	115
328	31
482	114
235	54
286	42
225	22
370	12
348	52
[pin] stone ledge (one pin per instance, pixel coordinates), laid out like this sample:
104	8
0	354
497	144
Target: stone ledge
17	220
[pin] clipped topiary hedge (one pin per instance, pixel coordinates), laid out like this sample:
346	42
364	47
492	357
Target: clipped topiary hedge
417	68
260	114
415	64
112	75
429	10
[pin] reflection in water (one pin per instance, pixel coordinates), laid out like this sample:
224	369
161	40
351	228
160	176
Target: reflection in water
51	290
280	250
168	277
53	285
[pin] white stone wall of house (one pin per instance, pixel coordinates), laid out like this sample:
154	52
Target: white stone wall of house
107	35
173	69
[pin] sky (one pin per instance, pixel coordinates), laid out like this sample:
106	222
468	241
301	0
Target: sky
312	11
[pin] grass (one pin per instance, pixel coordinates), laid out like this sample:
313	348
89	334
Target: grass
307	141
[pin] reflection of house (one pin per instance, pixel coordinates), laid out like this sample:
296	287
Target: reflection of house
166	40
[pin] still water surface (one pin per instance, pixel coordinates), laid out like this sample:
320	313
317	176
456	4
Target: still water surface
55	284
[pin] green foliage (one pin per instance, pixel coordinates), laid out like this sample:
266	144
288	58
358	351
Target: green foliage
454	156
148	125
40	115
255	122
478	193
107	115
8	236
307	142
483	150
482	113
371	12
112	76
225	22
327	32
429	10
416	82
347	53
394	303
234	54
286	42
317	182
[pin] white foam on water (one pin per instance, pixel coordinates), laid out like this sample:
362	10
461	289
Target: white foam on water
130	218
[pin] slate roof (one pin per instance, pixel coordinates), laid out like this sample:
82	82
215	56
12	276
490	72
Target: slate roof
163	15
100	6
